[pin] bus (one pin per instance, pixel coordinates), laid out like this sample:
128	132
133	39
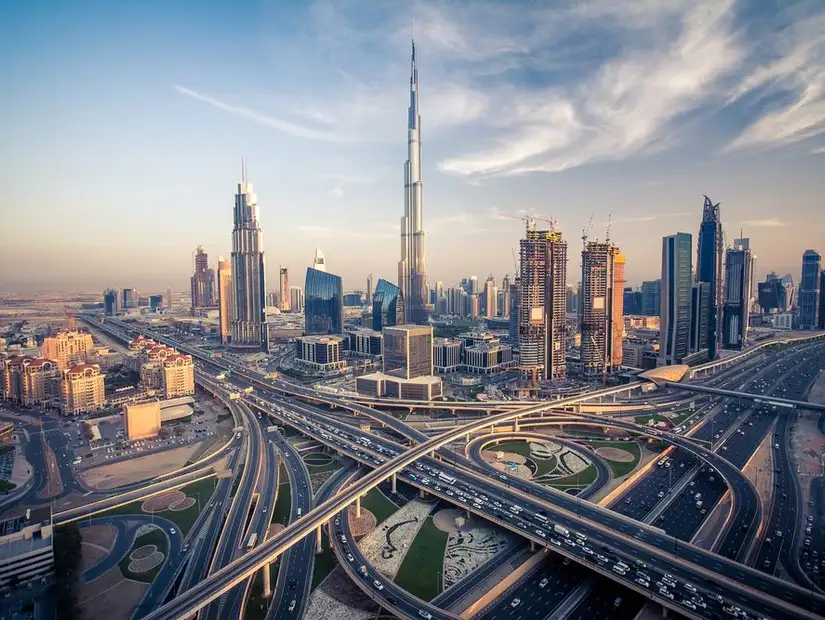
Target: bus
445	478
253	538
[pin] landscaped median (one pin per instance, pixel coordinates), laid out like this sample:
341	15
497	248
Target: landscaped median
622	457
145	559
180	506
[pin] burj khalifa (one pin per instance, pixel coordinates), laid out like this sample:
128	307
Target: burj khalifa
412	268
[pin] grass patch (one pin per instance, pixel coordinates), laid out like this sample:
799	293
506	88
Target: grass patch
156	537
619	468
283	503
6	449
644	420
256	605
378	504
421	571
539	467
325	562
6	486
184	519
583	478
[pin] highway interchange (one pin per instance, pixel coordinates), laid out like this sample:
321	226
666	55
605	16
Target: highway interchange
481	485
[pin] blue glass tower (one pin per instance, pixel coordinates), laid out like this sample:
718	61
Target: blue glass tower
677	289
709	269
323	303
387	306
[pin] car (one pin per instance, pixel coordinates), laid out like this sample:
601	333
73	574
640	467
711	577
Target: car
544	582
664	592
515	602
378	585
425	614
642	582
688	604
690	588
350	558
172	530
292	605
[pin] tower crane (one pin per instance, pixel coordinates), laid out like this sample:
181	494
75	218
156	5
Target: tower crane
586	231
530	221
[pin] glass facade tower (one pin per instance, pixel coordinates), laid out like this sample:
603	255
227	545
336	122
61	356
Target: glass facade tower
323	303
709	268
677	288
387	306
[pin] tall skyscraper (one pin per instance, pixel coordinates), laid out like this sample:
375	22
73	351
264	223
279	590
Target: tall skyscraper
324	303
709	268
248	269
319	262
130	298
809	290
651	297
168	299
515	288
369	290
504	311
296	298
600	316
699	312
821	323
224	299
543	304
736	311
412	268
111	302
283	291
202	282
387	306
491	298
677	289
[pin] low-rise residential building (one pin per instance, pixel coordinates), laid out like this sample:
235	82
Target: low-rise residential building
178	376
82	389
26	547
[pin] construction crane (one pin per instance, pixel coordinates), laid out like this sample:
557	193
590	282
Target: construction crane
530	221
516	264
586	231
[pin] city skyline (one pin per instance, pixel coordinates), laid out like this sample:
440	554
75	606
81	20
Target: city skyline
516	121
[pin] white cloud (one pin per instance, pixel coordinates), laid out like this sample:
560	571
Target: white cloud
336	192
622	109
795	74
766	223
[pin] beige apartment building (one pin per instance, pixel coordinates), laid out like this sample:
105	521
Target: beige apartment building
82	389
225	298
142	420
178	376
31	381
68	348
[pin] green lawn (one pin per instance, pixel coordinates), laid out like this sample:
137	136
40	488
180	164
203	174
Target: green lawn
201	490
378	504
643	420
421	571
5	485
619	468
539	467
581	479
156	537
283	503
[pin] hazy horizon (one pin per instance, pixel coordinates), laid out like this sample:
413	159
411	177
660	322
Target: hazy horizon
125	126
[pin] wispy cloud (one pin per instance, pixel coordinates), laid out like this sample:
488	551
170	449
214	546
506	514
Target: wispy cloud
623	108
794	78
819	151
651	217
771	222
287	127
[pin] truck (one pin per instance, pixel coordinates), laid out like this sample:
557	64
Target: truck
235	396
561	531
699	504
249	389
253	538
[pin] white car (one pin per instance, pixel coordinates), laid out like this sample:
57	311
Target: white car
378	585
515	602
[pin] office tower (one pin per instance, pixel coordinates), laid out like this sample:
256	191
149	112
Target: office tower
543	303
600	316
369	290
809	290
225	289
572	301
790	292
68	348
111	302
387	306
168	299
130	299
155	302
283	291
513	310
490	298
677	287
248	268
651	297
504	309
319	261
772	294
412	268
709	268
699	312
821	323
202	283
474	309
323	303
439	290
408	351
296	298
737	306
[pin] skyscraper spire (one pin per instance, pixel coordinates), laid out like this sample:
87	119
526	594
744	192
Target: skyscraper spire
412	268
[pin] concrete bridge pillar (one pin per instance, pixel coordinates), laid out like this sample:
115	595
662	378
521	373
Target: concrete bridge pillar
358	507
468	437
319	540
394	484
267	581
532	545
422	493
515	425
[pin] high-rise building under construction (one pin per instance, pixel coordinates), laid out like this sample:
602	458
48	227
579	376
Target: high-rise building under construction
542	303
600	315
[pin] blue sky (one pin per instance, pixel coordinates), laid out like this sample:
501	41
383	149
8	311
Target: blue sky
123	126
